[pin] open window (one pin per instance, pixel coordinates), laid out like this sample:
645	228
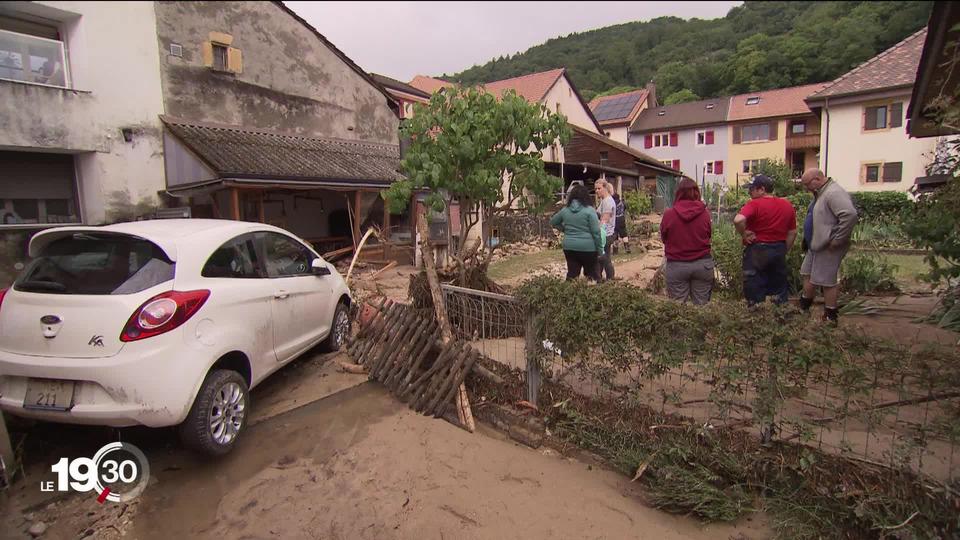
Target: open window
32	52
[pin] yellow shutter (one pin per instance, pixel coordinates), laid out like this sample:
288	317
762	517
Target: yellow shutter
221	38
234	60
207	53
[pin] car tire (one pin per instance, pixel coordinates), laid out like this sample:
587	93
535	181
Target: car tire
218	415
339	329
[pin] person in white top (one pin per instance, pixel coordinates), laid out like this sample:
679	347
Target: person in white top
607	210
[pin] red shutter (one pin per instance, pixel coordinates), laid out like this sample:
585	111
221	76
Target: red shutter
710	137
674	140
648	141
676	164
717	166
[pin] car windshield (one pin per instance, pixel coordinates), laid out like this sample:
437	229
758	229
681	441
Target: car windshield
87	263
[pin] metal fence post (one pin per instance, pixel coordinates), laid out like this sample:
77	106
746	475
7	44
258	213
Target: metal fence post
533	362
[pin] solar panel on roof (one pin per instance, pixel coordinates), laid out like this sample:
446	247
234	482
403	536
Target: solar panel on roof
618	107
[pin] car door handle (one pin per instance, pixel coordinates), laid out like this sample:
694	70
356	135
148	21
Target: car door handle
281	295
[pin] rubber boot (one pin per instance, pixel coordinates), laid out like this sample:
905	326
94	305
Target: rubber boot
805	303
831	315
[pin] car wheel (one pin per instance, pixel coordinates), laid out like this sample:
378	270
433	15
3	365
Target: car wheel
339	329
218	414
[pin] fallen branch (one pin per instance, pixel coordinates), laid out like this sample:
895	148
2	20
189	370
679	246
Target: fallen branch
335	254
888	404
390	265
357	254
349	367
464	413
904	524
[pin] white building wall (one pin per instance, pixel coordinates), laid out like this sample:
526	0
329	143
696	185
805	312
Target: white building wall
618	134
562	94
849	147
113	60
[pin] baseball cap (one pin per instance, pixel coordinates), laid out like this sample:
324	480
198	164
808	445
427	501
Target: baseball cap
762	181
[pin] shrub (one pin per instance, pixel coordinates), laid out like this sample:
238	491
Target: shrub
782	175
886	205
638	203
867	272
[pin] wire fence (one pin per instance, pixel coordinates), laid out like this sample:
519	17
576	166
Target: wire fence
903	414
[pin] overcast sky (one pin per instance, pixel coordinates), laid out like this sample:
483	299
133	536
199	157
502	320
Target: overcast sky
403	39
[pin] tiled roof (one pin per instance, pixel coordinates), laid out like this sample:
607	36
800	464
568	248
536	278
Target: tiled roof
640	156
532	87
618	108
893	68
429	84
772	103
695	113
236	151
393	84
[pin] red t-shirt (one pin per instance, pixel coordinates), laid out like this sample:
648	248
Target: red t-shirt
770	218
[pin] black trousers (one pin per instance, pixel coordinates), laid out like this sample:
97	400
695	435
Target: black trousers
606	263
581	260
765	272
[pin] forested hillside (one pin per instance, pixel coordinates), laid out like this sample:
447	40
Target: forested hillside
757	46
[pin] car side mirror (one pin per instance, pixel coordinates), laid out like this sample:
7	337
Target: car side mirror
319	268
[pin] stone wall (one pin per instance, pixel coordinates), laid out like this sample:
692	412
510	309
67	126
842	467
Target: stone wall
521	227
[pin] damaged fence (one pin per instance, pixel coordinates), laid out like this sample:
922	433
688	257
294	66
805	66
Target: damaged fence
896	407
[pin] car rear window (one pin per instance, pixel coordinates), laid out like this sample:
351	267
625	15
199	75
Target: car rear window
85	263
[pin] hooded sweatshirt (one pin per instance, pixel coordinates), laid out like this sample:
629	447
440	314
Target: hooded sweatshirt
685	231
580	227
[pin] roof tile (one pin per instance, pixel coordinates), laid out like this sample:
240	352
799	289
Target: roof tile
695	113
233	150
429	84
531	87
773	103
894	67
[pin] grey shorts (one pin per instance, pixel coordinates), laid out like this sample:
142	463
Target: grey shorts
823	267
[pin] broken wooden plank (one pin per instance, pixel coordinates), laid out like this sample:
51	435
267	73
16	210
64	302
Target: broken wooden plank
390	265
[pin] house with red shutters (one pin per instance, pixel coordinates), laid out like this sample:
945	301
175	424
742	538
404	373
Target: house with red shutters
689	137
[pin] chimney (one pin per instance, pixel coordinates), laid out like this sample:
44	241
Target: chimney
652	95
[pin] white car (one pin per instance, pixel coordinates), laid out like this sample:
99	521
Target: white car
162	323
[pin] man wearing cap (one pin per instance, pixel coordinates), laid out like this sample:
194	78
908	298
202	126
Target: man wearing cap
768	226
831	222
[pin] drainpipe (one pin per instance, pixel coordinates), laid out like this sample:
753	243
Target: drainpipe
826	144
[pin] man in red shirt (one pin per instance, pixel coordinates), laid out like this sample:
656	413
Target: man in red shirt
768	226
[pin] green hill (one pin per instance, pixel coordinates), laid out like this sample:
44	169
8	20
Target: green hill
757	46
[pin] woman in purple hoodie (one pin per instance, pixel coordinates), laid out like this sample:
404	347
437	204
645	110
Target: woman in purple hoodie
685	231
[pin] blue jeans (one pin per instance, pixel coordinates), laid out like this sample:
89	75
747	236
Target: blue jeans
765	272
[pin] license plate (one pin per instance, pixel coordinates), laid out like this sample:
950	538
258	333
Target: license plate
49	394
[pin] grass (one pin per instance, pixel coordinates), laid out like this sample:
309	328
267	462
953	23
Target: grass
909	268
520	265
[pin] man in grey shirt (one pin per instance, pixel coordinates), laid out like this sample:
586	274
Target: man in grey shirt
833	218
607	210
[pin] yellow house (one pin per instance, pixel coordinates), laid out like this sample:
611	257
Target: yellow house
772	125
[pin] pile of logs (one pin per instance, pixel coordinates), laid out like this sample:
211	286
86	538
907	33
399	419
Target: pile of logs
402	348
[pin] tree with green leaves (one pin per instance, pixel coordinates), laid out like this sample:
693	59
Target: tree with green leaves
683	96
484	152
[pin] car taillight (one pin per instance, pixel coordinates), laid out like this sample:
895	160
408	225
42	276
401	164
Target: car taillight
3	292
162	313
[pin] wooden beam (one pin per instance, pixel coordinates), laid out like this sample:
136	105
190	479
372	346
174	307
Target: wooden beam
386	229
260	208
356	214
234	204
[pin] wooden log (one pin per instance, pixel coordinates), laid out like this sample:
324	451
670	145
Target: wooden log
461	375
404	334
357	254
390	265
376	334
447	379
438	379
373	344
417	387
410	348
348	367
404	384
450	385
337	253
393	339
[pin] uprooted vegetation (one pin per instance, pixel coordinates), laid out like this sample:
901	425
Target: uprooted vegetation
778	388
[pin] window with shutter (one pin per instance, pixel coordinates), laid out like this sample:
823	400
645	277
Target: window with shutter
710	137
717	167
676	164
674	138
648	141
896	114
875	118
772	136
871	172
893	171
